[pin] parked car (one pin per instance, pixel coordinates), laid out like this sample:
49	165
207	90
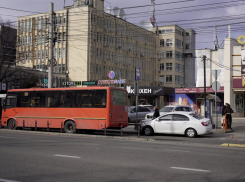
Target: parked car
171	108
188	124
149	106
142	111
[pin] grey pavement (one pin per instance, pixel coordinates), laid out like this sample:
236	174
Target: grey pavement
30	157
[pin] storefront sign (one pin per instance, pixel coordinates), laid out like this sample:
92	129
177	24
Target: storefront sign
239	83
146	91
196	90
101	82
90	83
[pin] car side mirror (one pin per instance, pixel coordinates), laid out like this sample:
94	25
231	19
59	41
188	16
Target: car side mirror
157	119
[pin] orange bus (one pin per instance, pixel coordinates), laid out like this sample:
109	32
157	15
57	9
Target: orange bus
84	108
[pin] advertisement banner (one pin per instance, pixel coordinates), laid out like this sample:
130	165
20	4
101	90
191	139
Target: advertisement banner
197	90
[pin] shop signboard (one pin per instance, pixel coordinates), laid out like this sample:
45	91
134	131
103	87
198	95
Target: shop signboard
239	82
197	90
146	91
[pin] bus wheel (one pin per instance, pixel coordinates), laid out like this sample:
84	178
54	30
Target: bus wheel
69	127
12	124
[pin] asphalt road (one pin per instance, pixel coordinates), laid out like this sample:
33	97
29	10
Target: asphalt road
28	157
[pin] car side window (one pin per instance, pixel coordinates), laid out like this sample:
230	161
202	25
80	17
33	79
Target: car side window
185	109
178	109
190	109
144	109
168	117
133	110
180	117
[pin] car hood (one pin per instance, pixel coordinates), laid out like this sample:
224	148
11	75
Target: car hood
146	121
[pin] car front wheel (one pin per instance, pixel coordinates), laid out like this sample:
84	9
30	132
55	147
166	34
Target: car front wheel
191	133
148	131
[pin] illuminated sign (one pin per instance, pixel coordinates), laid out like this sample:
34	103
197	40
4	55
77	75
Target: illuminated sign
111	74
90	83
100	82
75	83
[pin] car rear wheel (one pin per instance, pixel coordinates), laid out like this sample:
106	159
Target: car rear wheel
148	131
191	133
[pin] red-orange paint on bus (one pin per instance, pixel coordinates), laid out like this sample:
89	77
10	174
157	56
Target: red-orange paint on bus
85	118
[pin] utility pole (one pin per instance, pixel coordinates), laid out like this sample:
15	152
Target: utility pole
204	65
51	46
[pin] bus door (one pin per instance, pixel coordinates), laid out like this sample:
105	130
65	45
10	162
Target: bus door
9	108
118	110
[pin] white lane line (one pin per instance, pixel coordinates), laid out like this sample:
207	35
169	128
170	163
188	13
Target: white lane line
176	150
75	157
5	180
189	169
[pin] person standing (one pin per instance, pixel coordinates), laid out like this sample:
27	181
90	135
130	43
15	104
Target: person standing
228	111
223	110
156	112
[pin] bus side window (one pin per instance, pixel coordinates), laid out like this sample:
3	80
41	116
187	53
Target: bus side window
10	101
23	99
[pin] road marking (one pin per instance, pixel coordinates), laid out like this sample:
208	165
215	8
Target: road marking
5	180
75	157
177	150
232	145
189	169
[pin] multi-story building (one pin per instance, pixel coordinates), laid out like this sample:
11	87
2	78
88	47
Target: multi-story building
90	43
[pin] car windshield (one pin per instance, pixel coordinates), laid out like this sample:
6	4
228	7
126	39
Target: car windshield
130	108
196	116
167	109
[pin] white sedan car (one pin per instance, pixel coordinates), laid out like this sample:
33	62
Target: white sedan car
187	124
171	108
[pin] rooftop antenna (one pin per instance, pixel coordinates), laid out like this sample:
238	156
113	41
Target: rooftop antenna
108	10
153	19
116	11
64	3
146	25
216	44
122	13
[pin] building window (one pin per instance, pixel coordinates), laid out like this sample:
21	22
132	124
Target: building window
60	71
162	43
178	55
64	21
168	78
46	53
59	52
165	31
178	31
161	78
178	43
169	66
169	42
187	34
187	46
169	54
63	68
55	53
38	54
42	54
64	36
64	52
161	66
35	55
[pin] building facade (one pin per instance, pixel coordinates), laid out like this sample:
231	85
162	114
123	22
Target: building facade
231	78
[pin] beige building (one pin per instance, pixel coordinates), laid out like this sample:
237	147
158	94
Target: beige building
90	43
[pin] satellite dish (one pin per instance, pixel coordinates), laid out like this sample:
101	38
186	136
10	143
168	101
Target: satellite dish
108	10
122	13
116	11
146	25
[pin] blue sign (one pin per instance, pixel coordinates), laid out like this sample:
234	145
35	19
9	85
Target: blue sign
111	74
137	74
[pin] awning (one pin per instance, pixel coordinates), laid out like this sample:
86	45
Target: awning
209	97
